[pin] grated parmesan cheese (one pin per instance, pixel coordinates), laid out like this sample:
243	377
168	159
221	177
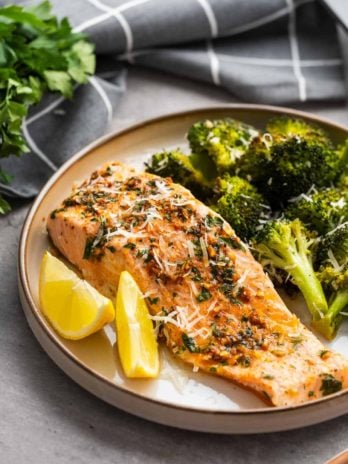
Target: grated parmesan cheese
344	224
124	233
156	258
204	251
334	261
194	288
191	249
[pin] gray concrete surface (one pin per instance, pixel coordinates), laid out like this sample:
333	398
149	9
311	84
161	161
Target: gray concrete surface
46	418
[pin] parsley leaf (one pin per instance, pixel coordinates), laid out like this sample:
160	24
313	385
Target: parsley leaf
190	344
330	385
38	53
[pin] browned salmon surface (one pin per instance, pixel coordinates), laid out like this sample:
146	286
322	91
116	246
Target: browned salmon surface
214	305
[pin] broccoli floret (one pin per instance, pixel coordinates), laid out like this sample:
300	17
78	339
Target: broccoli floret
241	205
254	165
342	152
289	159
297	164
224	141
332	258
285	126
336	242
322	210
286	245
178	166
343	182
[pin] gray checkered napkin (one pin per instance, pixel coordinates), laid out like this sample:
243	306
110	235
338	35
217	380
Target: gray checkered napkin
275	51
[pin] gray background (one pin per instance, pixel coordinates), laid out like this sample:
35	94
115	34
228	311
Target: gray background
46	418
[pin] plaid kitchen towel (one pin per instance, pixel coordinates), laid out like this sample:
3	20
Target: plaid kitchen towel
274	51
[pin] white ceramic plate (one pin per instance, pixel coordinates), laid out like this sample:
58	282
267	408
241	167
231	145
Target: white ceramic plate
179	397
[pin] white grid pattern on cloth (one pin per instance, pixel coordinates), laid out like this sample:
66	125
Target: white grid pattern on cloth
120	18
101	92
266	19
281	62
214	63
213	59
50	107
58	101
111	12
210	16
36	150
295	52
46	110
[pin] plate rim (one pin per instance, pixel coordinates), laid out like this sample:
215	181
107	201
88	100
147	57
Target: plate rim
22	252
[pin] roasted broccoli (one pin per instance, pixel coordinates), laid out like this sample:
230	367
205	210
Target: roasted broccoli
342	153
289	159
286	245
332	258
321	210
224	141
343	181
255	164
287	127
178	166
241	205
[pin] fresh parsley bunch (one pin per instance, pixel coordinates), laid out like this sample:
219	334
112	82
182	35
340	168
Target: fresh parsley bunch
38	53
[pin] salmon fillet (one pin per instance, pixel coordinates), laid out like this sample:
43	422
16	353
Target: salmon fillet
215	307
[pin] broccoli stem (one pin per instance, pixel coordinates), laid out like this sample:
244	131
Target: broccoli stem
287	246
330	322
294	259
306	280
339	302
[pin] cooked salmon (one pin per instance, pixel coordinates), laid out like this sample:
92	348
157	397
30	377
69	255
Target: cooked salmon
210	300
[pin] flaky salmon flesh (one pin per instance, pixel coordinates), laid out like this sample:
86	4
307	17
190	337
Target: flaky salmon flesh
210	299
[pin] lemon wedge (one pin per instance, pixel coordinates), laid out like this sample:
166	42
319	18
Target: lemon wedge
72	306
137	344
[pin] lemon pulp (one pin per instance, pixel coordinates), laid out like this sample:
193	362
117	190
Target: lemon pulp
136	340
73	307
